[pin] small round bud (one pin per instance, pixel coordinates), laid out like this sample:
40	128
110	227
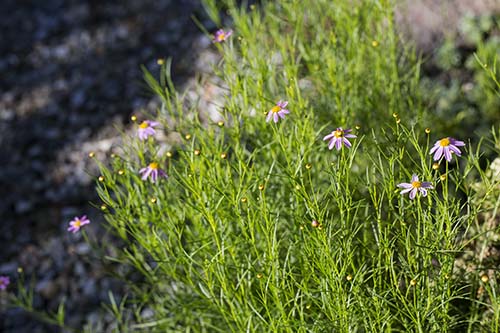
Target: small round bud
133	118
395	115
297	187
104	207
309	166
244	199
260	276
197	152
301	227
447	276
20	270
398	121
314	224
220	124
91	154
261	187
374	43
113	156
427	130
413	282
308	306
349	277
485	278
320	227
121	172
357	127
153	200
442	177
160	61
101	178
223	156
187	136
435	166
169	154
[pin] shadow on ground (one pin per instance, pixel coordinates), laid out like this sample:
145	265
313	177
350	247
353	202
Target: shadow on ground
69	72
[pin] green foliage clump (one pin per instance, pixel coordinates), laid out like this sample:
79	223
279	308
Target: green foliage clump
261	228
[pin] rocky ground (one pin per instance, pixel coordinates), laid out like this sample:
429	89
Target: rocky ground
69	82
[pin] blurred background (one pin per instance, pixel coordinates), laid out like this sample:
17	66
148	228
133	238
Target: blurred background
70	79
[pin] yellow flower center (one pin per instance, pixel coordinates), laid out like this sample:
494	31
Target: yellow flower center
276	109
338	133
153	166
222	36
77	223
444	142
416	184
144	124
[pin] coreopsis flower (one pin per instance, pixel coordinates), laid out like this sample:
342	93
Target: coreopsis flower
446	147
153	171
415	186
4	282
221	35
146	129
278	111
338	138
78	222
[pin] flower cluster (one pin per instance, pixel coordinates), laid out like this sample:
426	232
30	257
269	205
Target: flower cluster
415	186
221	35
278	111
146	129
338	138
152	171
445	147
77	223
4	282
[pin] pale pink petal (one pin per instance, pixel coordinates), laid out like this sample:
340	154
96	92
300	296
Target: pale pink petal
269	116
331	135
447	154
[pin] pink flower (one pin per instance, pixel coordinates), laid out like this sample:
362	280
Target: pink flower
4	282
78	222
446	146
221	35
415	186
278	111
338	138
152	170
146	129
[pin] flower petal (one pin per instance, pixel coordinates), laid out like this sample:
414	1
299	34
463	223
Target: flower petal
438	153
406	190
269	115
413	193
331	135
405	185
447	154
347	143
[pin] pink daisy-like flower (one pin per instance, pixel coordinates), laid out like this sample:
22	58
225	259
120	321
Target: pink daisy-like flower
4	282
415	186
77	223
278	111
152	170
339	137
221	35
146	129
446	147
